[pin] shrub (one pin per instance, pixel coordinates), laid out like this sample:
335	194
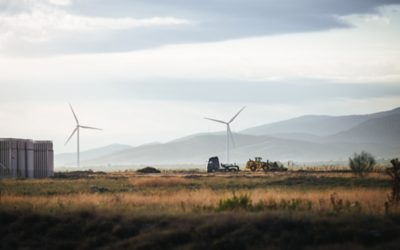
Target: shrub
148	170
362	163
241	202
394	173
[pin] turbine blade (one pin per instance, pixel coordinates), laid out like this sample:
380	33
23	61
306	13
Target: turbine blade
76	118
233	118
215	120
89	127
231	136
69	138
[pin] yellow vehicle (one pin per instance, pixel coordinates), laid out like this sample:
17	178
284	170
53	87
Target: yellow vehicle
257	164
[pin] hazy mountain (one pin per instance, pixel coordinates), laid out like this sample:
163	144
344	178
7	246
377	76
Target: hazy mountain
318	125
191	149
70	158
384	130
378	133
298	136
196	150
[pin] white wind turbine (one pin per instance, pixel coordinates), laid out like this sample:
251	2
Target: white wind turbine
228	131
76	130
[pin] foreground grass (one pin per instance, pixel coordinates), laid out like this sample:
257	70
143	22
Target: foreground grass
198	211
233	230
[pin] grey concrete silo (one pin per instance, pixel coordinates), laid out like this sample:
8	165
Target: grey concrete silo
21	158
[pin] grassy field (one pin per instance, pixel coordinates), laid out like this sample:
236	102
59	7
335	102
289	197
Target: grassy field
291	210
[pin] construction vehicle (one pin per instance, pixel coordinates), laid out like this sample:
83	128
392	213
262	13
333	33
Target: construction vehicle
257	164
214	166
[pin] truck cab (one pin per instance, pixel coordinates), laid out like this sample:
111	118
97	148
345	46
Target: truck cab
215	166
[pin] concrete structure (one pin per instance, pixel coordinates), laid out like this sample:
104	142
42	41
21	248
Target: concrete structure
26	158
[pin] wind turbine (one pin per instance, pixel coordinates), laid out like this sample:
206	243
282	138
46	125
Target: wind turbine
76	130
228	131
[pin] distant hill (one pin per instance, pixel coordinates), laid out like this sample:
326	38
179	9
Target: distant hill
191	149
317	125
70	158
384	130
307	138
197	150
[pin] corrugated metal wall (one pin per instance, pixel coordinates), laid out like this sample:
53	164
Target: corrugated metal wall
43	156
5	158
26	158
30	167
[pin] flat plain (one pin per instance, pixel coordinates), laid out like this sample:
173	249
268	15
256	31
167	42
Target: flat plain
195	210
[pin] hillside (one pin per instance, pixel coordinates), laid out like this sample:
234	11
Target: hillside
70	158
308	138
192	149
384	130
317	125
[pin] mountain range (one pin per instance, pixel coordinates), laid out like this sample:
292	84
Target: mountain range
305	138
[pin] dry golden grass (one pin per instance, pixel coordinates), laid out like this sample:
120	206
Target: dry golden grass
119	192
155	181
371	200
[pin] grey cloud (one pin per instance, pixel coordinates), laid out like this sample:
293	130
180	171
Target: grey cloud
213	20
293	92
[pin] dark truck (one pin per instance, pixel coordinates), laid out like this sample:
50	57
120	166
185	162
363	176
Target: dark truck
214	166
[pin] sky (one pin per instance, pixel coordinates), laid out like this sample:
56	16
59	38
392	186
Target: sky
150	70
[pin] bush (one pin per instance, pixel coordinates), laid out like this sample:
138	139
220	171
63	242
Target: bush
241	202
360	164
394	173
148	170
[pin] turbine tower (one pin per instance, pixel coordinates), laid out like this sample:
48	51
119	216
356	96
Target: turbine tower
76	130
228	131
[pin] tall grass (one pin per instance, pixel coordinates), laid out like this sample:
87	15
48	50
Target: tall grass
158	182
371	201
117	193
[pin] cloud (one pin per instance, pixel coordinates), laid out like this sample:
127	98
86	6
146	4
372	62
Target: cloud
367	53
289	92
44	22
17	6
61	2
353	63
42	18
64	25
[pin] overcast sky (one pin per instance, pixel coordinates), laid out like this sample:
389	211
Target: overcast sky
150	70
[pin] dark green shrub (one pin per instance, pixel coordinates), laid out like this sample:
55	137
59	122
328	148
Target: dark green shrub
241	202
394	173
362	163
148	170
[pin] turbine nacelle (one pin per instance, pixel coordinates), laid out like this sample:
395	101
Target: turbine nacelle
76	129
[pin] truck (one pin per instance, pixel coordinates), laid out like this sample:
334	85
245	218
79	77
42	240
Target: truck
215	166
